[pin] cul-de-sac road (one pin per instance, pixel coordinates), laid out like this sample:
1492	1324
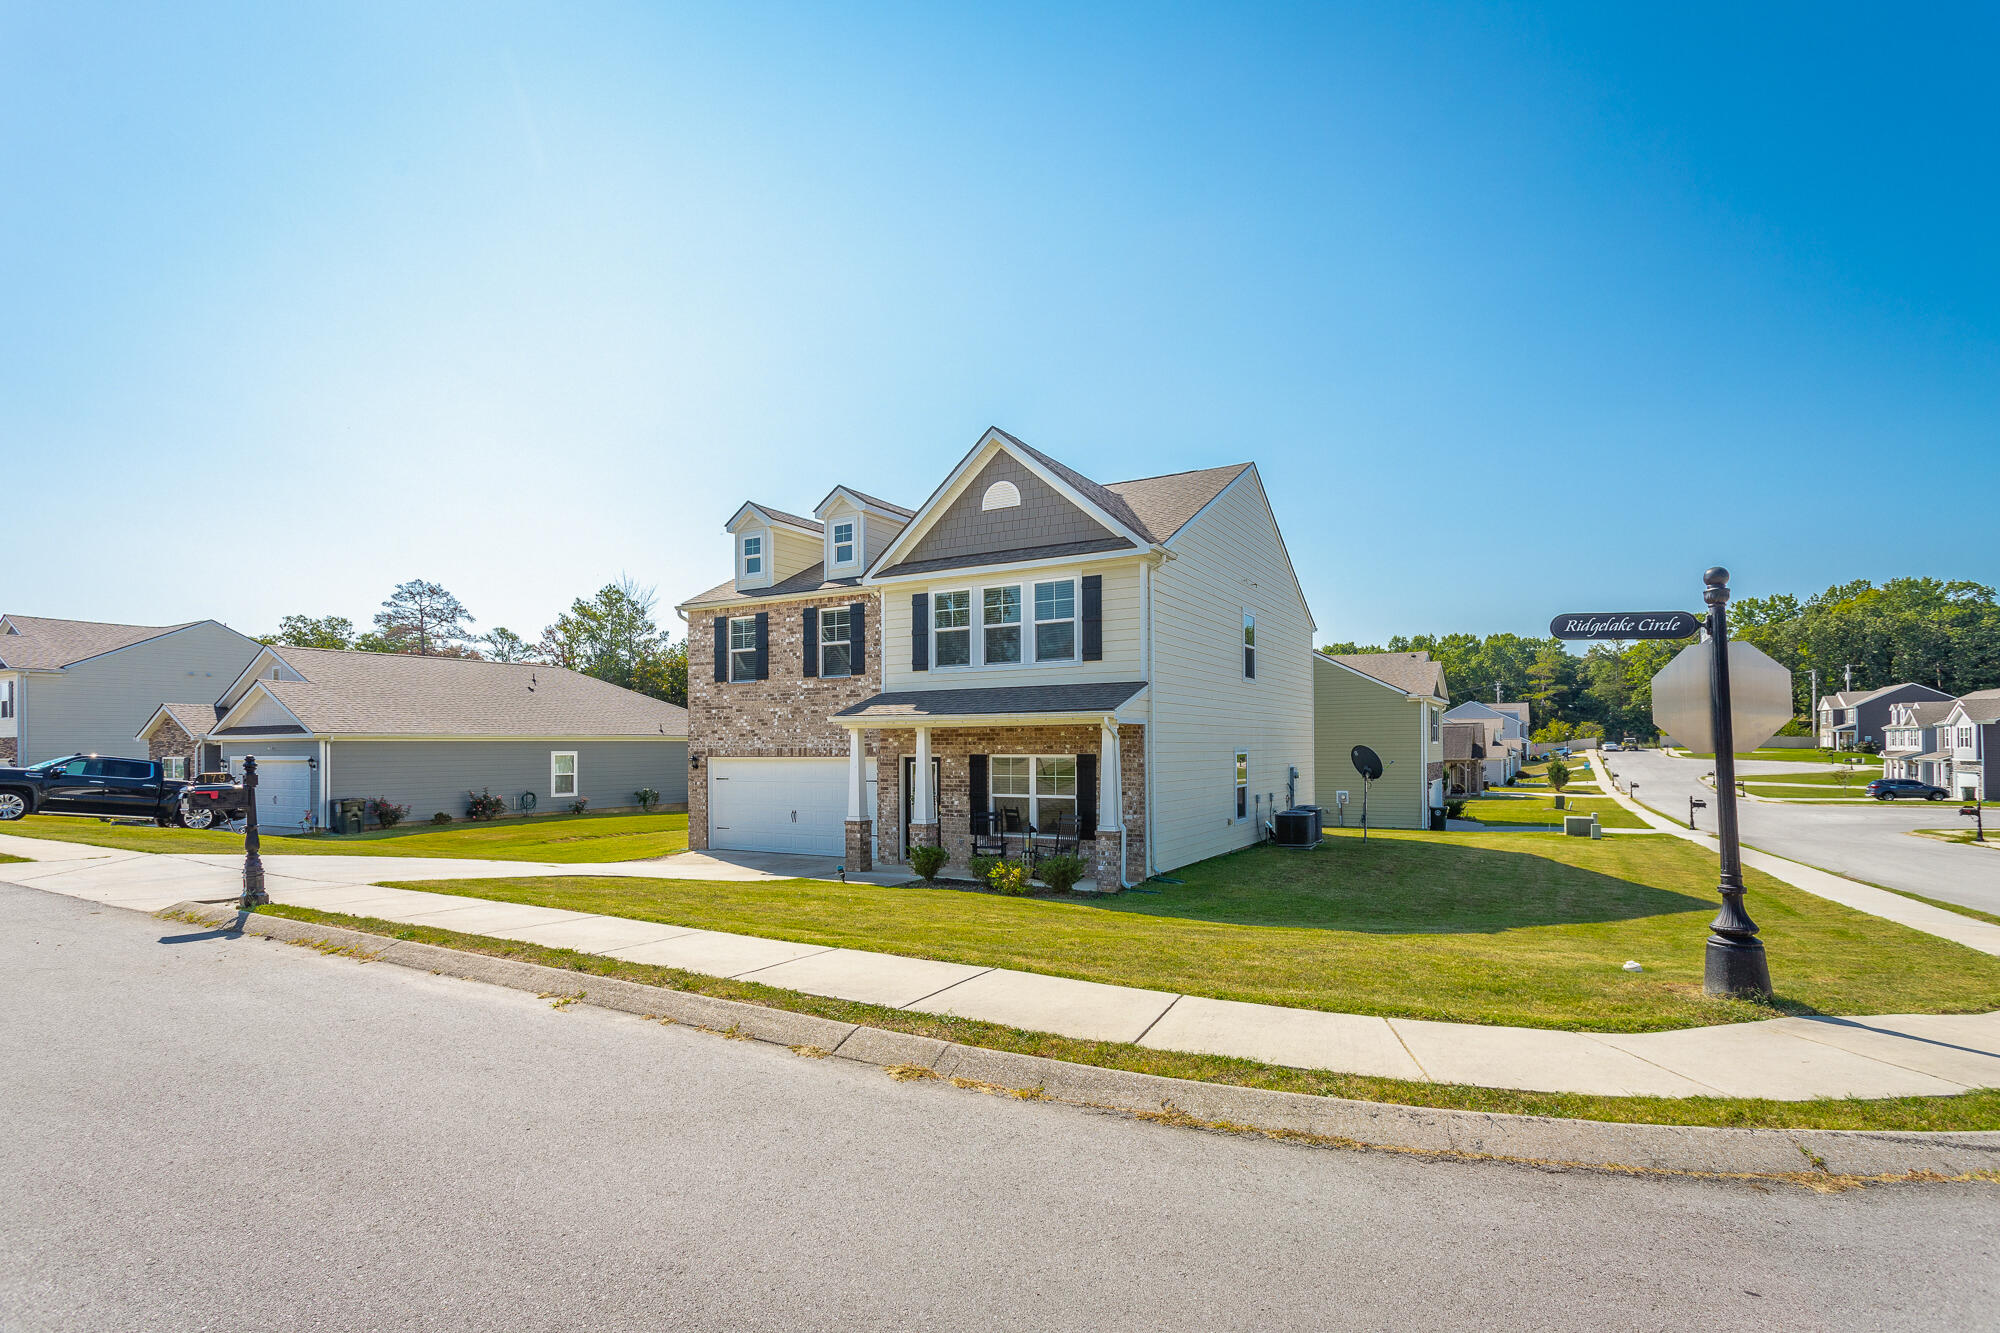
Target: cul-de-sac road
213	1132
1865	840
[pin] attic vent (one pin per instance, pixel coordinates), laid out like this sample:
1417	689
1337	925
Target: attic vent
1001	495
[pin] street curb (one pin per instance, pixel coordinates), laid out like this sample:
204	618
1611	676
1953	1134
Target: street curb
1805	1155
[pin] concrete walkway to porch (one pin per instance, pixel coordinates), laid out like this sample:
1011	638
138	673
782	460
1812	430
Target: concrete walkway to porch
1787	1059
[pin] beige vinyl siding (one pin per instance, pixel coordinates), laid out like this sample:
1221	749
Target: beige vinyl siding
877	535
1228	559
1350	709
1123	641
791	552
97	706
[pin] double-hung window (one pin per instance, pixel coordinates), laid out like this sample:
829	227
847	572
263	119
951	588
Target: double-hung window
836	641
174	768
562	773
951	628
1434	722
843	543
6	698
1242	783
1000	614
1249	646
1039	791
1055	620
753	555
742	648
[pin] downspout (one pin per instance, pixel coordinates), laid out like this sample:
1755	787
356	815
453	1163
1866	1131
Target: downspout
1153	704
326	779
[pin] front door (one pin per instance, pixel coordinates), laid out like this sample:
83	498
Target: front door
910	797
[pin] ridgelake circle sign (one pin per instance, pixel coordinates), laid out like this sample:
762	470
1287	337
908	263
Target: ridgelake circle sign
1625	625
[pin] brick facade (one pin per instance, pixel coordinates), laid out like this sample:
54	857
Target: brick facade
8	754
783	715
170	740
953	747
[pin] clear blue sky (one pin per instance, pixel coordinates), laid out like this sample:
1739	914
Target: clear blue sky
303	301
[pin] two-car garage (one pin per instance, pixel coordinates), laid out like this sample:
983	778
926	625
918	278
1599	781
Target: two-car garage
778	805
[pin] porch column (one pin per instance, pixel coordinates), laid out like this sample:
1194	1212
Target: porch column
860	824
923	801
1110	795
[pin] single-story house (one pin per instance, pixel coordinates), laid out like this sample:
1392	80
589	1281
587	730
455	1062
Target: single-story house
1393	703
427	732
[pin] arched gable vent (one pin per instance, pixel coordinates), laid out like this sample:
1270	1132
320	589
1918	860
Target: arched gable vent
1001	495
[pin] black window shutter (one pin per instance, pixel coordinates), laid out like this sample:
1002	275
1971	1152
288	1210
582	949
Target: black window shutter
763	645
721	648
977	763
812	641
857	622
1093	617
1086	796
920	631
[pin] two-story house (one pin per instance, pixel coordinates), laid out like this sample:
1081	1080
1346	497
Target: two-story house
1129	662
1506	741
1393	703
1910	742
1850	719
1970	735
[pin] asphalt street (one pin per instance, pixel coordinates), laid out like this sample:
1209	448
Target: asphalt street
1867	841
210	1132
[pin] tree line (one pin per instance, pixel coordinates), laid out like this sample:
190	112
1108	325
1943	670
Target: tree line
1945	634
610	635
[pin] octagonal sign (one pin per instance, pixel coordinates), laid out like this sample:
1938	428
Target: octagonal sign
1760	697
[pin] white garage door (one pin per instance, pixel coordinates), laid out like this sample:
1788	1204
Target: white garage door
284	792
778	805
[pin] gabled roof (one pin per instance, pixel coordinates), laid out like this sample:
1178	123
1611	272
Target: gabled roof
1850	698
1924	713
395	694
41	643
866	499
194	719
1981	706
808	581
1464	740
1154	507
1412	673
811	525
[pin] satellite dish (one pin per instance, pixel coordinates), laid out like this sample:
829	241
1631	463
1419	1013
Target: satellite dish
1367	763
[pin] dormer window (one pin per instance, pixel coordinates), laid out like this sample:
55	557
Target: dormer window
843	543
753	555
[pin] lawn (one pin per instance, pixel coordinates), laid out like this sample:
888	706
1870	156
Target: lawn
1805	756
1513	928
1821	779
8	860
1503	805
556	838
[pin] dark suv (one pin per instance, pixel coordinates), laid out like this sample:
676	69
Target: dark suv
1889	789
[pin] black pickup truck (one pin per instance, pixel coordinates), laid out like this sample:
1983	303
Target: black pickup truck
89	784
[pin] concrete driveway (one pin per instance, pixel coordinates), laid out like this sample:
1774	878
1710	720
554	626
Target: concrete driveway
1867	841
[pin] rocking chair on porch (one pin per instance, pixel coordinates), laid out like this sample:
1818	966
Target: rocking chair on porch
989	837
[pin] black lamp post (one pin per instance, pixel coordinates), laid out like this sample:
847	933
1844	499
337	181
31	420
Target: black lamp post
253	864
1735	964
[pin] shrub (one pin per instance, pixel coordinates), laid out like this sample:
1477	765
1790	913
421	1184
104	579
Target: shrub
1558	774
483	804
386	812
579	805
440	818
982	867
928	860
1009	877
647	798
1454	809
1061	872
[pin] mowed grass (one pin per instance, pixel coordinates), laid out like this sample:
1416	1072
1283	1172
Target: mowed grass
1854	781
9	860
1502	805
1529	929
562	839
1786	755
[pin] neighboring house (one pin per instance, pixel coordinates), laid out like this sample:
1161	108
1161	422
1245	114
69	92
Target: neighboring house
83	686
1465	757
1507	737
1128	664
428	731
1910	742
1849	719
1394	704
174	736
1970	734
1520	713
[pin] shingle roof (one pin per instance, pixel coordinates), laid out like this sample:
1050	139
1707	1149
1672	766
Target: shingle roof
391	694
1464	740
1981	706
1928	713
47	644
812	579
1412	673
1153	507
194	719
916	705
809	524
875	500
982	558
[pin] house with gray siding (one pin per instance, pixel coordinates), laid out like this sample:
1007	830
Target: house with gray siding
88	686
428	732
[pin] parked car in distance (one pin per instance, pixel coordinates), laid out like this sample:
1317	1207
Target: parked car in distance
88	784
1890	789
1610	747
213	799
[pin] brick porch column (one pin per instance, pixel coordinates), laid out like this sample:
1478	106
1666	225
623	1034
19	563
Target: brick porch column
859	825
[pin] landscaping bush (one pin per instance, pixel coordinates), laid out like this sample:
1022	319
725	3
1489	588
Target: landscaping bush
927	861
440	818
483	804
982	867
386	812
1455	808
1061	872
647	799
1558	774
1009	877
579	805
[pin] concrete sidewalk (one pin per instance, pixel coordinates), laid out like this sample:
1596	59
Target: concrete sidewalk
1786	1059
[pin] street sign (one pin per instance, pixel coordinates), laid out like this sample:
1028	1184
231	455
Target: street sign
1625	625
1760	697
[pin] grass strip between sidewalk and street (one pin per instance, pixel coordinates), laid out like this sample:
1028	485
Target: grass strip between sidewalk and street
1979	1110
5	859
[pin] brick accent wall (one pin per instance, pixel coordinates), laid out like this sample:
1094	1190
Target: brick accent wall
784	715
7	752
953	748
170	740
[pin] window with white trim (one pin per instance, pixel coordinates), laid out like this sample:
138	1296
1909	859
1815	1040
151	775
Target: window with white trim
753	555
6	698
1055	620
836	641
843	543
174	768
562	773
1249	646
1434	722
951	628
1000	617
742	648
1242	784
1039	790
